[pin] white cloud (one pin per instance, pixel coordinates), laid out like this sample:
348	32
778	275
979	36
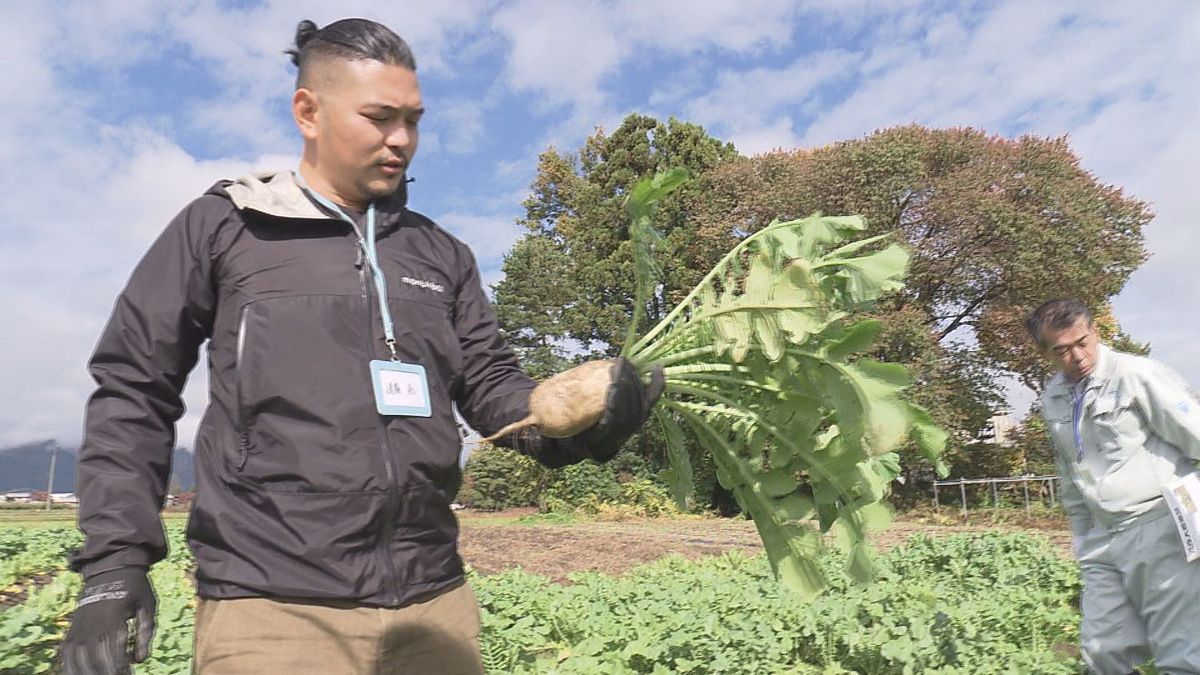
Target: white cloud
227	124
763	136
25	70
105	35
756	92
562	50
737	26
78	253
1041	66
569	55
565	51
158	178
489	237
754	108
463	121
1161	304
512	168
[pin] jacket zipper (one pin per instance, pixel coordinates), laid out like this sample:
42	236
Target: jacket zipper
387	528
239	413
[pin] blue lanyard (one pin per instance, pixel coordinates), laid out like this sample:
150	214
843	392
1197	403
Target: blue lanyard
1077	420
368	246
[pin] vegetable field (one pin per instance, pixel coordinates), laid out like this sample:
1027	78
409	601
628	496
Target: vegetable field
980	602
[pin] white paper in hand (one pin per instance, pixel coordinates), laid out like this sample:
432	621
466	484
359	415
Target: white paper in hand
1183	499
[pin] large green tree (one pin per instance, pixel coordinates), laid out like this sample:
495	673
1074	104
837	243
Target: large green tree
996	225
570	277
568	288
534	301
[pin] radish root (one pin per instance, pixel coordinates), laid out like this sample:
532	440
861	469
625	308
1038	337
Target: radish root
567	403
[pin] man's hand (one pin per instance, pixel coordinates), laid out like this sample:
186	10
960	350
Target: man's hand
98	641
626	407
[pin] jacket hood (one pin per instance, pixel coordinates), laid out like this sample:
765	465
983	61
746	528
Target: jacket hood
278	194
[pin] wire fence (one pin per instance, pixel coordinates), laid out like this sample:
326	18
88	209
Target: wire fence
1044	488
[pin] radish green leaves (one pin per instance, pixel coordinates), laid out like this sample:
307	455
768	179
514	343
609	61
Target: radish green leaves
761	370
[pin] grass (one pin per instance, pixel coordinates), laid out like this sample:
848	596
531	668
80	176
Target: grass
490	519
551	518
38	516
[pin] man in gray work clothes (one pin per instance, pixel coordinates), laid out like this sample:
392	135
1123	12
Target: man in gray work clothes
1123	428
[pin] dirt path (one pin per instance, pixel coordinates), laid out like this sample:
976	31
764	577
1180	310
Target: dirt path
556	550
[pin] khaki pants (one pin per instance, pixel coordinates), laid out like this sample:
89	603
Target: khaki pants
259	635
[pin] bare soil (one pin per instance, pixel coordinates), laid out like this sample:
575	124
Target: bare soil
16	594
496	542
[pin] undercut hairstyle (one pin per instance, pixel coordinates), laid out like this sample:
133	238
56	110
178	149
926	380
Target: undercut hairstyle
1057	315
348	40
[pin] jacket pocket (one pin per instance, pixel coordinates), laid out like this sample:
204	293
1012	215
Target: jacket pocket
305	411
425	331
238	461
425	541
426	336
1116	425
1059	426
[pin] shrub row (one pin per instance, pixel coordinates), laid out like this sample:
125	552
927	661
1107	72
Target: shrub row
497	478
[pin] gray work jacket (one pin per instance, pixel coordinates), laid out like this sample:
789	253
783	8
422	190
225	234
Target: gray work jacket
1138	429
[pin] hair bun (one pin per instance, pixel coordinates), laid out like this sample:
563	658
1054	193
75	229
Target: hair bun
305	31
348	39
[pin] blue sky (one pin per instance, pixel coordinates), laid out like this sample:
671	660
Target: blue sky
119	112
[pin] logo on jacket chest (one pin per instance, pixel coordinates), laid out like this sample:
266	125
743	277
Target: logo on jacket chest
423	283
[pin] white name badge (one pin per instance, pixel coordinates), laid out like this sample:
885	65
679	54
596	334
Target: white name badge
400	388
1183	499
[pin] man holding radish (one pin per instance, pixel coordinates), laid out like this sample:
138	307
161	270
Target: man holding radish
342	330
1124	429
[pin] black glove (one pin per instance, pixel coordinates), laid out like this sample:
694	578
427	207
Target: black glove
626	408
98	641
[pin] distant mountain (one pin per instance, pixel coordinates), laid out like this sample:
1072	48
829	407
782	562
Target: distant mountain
183	471
24	467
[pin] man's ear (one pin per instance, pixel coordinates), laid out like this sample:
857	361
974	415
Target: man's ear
305	108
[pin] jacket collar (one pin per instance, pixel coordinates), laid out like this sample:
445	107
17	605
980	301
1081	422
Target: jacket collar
276	193
1106	366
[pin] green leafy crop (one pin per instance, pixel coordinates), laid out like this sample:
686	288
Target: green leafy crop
760	367
963	604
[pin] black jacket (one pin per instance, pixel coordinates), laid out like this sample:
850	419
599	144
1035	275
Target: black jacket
303	489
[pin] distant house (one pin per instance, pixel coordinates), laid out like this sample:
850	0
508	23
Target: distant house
64	498
1000	429
18	497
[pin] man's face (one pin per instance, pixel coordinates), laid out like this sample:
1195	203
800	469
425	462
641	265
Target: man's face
363	129
1074	349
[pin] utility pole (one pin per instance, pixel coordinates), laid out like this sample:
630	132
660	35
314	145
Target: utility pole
50	478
